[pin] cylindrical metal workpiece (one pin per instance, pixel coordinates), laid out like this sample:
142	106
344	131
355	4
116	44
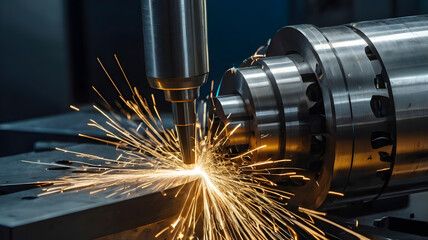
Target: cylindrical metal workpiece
347	104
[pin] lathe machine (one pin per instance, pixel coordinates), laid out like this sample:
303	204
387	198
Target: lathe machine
348	105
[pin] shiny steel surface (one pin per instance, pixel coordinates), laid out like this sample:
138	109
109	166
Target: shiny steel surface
175	43
309	42
231	109
347	104
404	56
176	58
294	132
358	73
184	121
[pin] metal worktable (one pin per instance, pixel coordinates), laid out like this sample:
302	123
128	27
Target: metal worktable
75	214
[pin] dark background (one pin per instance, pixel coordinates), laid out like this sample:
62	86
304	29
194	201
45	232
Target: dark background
48	48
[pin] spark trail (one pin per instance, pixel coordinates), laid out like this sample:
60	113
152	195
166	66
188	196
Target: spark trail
230	197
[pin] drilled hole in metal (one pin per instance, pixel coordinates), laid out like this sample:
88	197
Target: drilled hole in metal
380	139
318	108
317	144
385	157
317	124
313	92
380	106
379	82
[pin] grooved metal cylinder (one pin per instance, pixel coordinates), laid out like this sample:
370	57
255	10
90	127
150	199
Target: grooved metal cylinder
347	104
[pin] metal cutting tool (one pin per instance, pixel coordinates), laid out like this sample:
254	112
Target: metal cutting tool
176	56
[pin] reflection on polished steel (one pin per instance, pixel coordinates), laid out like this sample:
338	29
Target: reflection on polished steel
176	57
348	104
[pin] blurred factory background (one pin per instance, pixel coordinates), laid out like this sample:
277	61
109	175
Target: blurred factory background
49	47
